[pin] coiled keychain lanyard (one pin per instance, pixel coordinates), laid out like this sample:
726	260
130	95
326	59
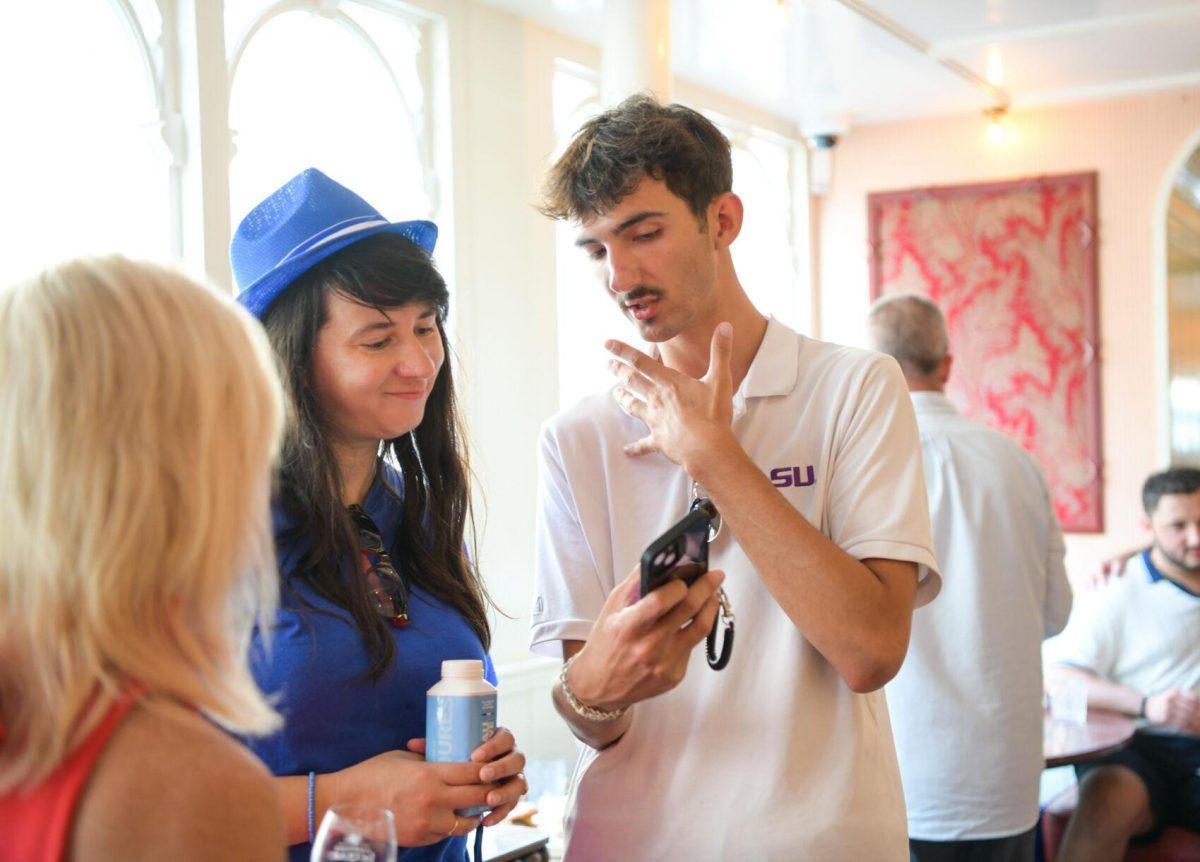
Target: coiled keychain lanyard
725	617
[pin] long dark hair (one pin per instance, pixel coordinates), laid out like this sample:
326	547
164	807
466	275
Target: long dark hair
382	271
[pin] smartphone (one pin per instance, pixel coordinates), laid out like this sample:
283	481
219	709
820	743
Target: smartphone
681	552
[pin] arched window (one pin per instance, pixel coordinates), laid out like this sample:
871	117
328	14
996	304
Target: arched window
85	169
338	87
1183	313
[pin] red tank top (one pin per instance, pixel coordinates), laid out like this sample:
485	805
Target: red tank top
35	825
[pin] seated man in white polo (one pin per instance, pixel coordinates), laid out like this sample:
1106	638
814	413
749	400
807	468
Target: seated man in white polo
1137	647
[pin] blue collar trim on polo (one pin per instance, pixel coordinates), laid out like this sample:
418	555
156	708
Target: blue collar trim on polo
304	221
1151	569
1156	574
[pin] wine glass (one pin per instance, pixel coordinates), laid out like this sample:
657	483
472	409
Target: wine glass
355	833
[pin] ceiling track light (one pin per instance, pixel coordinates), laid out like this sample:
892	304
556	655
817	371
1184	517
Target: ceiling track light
888	25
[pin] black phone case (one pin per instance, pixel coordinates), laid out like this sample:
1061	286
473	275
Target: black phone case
663	554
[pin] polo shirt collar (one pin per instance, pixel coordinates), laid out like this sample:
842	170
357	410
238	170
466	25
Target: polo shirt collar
775	367
933	402
1156	575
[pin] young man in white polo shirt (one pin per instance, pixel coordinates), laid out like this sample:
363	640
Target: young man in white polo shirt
1136	646
810	453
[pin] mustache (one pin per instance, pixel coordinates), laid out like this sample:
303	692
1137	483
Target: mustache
640	292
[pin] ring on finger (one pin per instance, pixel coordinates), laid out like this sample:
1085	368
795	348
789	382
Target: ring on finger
453	828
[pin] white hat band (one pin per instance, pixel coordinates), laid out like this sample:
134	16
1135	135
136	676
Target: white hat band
309	244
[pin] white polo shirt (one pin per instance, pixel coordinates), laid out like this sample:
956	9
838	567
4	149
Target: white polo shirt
1141	630
773	758
974	664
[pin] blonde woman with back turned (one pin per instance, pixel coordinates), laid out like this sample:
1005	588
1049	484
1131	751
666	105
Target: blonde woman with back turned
139	415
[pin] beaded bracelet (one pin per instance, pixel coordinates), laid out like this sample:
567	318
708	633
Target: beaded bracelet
312	786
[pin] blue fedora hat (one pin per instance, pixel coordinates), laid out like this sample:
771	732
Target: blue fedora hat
299	225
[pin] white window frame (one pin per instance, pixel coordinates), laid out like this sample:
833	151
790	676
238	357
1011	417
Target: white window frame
191	79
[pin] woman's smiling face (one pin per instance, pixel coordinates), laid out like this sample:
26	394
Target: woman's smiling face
373	370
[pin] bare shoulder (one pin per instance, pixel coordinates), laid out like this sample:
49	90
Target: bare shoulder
171	785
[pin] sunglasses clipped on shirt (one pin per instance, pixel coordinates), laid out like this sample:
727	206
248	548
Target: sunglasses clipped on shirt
386	586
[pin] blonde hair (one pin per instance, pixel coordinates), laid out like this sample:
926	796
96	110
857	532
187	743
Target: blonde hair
139	416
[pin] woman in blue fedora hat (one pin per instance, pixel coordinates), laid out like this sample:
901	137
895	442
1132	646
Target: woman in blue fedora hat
370	521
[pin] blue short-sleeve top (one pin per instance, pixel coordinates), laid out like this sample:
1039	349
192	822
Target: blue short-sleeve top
315	662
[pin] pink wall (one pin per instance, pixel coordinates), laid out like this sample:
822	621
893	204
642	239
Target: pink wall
1135	143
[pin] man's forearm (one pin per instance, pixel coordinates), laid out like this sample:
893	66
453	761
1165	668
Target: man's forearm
859	621
1101	693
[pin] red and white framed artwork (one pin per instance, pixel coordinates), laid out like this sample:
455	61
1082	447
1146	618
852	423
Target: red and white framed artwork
1012	265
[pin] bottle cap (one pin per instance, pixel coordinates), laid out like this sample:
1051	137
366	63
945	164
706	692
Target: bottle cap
462	669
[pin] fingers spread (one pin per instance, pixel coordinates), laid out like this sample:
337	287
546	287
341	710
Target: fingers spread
630	403
630	378
647	365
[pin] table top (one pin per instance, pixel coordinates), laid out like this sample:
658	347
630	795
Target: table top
1104	733
506	842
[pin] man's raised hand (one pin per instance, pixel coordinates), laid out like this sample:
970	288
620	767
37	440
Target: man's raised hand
685	416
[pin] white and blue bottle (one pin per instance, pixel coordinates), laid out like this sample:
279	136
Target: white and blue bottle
460	715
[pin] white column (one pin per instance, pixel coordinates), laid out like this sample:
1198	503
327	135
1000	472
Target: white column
201	98
636	49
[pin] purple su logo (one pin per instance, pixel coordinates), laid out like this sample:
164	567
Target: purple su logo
792	477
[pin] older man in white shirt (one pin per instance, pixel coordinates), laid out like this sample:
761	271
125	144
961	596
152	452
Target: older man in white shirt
966	706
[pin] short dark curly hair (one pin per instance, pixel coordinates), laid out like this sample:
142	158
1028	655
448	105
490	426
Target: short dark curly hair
1177	480
612	152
